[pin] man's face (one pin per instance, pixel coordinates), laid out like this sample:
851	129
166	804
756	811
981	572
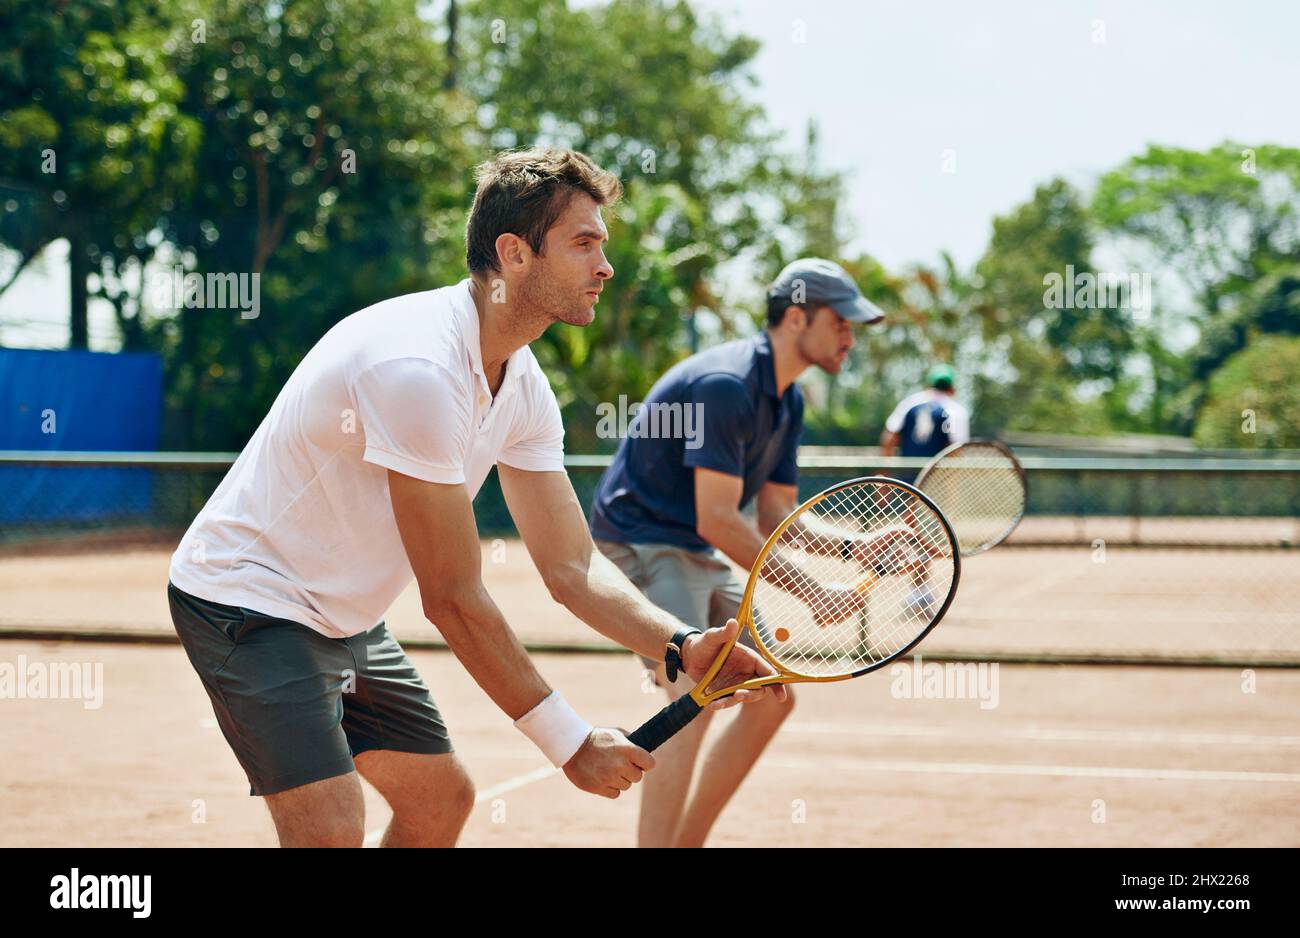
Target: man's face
565	280
826	339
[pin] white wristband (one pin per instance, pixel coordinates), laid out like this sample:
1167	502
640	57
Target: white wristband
555	728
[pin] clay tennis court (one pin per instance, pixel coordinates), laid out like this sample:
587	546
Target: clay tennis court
1071	754
1034	597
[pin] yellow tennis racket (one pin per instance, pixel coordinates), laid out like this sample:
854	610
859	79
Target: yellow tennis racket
855	577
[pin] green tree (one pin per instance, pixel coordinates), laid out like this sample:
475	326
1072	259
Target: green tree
1254	398
1224	225
93	145
1041	352
1217	220
333	166
1270	306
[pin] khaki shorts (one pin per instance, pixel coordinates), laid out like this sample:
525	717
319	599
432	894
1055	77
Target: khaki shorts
698	587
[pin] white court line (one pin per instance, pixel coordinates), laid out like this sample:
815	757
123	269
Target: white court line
1067	771
519	781
510	784
1045	733
976	768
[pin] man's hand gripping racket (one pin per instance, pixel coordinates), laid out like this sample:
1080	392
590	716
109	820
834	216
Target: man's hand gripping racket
855	577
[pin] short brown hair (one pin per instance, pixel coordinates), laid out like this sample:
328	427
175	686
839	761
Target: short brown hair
524	192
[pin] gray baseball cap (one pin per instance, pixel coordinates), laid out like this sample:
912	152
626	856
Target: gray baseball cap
822	282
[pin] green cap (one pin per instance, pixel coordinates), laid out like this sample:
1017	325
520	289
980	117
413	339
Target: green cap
939	374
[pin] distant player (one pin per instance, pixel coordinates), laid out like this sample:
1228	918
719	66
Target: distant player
669	512
927	421
923	425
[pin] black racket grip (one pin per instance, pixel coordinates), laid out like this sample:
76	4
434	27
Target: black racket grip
664	725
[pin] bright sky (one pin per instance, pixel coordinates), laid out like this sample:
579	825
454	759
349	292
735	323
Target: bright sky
1017	91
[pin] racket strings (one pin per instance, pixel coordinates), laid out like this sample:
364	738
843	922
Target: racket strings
820	612
981	491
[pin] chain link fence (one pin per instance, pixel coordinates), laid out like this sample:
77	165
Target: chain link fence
1130	560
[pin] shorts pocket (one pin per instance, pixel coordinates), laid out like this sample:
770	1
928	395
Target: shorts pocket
191	610
625	558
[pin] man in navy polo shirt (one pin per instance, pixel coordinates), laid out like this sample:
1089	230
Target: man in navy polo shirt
718	432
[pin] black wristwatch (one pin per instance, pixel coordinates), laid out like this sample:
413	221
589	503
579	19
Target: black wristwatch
673	655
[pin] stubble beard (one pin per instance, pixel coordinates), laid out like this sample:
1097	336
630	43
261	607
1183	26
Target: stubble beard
827	363
542	301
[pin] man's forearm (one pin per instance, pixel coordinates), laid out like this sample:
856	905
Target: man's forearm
600	595
740	541
736	537
478	635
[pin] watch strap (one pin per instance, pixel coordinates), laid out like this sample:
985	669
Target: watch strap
673	653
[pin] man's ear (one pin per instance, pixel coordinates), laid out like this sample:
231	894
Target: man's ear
797	317
513	251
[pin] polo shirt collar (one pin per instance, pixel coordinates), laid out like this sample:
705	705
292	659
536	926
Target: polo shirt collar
474	343
766	364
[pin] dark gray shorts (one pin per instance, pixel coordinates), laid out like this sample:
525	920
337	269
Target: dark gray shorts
296	706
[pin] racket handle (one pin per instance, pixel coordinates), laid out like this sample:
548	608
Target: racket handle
664	725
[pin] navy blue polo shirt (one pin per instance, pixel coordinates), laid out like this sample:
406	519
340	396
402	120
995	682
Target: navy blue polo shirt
718	410
933	417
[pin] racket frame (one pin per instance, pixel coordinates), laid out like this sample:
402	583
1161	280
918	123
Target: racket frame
745	614
1005	450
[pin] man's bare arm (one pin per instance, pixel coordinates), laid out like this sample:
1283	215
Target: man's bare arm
775	502
815	535
549	517
441	539
718	519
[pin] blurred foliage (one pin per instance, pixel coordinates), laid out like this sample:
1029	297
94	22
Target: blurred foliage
1046	355
331	165
1254	398
1216	220
1221	227
701	173
327	147
93	143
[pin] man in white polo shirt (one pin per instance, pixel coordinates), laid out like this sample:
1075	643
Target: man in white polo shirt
361	477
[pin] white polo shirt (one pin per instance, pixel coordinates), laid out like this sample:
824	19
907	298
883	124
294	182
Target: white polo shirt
302	527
